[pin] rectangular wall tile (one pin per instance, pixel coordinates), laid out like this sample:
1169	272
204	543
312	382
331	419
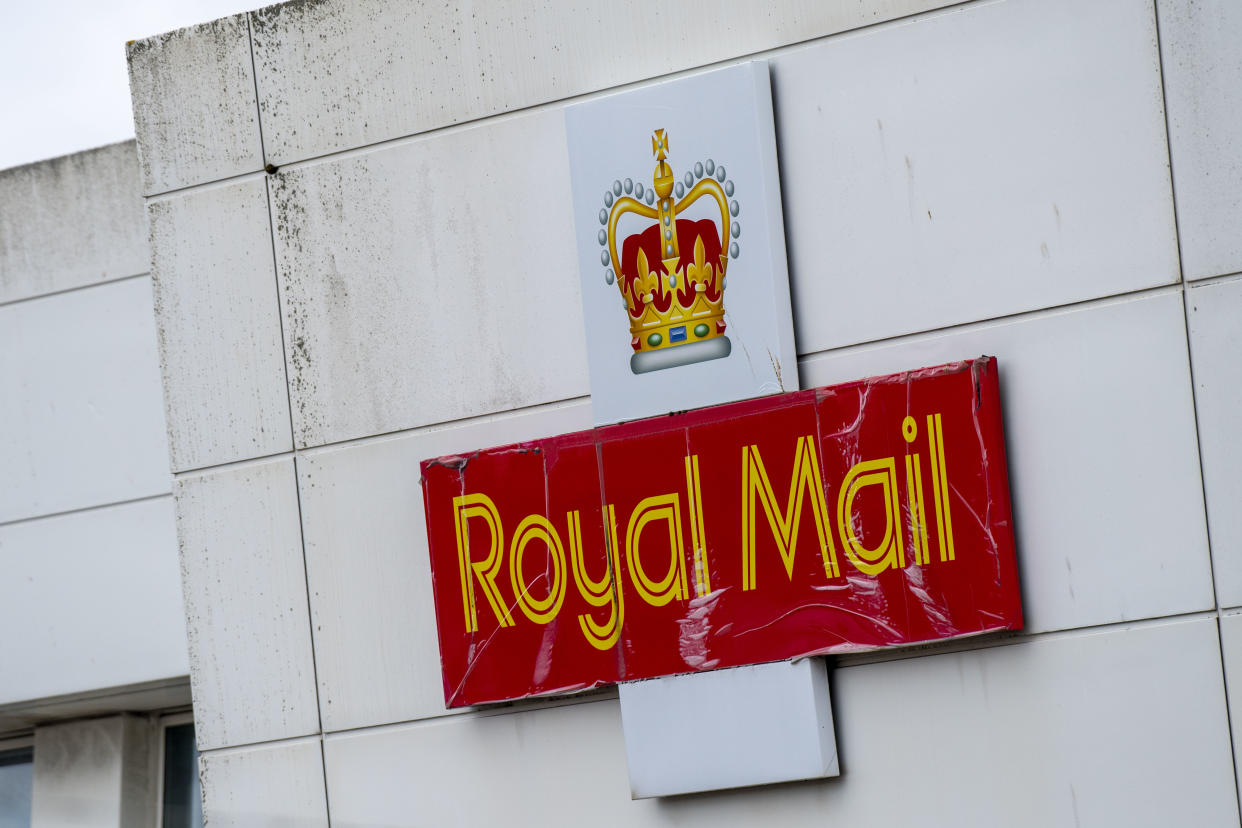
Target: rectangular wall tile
1203	92
96	596
1231	653
80	410
217	313
194	105
376	650
562	765
1103	468
272	786
1045	732
1215	316
413	68
417	288
1030	734
251	667
71	221
992	159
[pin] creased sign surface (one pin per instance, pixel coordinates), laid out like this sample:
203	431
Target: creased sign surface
837	519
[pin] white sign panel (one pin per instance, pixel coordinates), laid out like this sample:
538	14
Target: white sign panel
685	294
681	247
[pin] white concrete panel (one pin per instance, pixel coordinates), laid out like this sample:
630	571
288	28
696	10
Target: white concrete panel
273	786
993	159
1030	734
751	725
195	113
367	564
93	773
71	221
217	313
1231	653
339	75
1216	353
1203	92
90	600
1103	468
562	765
80	409
420	284
1119	727
251	668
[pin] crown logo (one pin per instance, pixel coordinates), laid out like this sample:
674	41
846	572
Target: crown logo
671	274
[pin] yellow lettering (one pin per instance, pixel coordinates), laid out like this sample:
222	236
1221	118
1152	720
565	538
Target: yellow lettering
698	534
940	486
805	480
539	610
599	593
890	552
918	518
486	570
673	584
914	493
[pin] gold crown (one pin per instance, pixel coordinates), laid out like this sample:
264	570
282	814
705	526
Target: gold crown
671	274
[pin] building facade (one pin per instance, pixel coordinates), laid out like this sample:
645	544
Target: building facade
363	255
93	659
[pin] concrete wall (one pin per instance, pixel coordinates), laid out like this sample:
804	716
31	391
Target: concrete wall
996	177
90	597
94	773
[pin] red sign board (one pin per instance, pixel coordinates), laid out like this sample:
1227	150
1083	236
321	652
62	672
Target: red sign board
839	519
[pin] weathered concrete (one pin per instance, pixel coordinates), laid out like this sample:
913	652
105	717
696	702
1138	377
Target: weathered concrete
71	221
218	324
420	284
194	105
269	786
252	671
334	75
1203	92
94	774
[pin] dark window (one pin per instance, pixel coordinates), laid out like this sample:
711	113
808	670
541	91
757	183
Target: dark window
16	779
182	797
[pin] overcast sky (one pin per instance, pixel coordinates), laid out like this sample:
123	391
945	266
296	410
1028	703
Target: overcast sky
64	86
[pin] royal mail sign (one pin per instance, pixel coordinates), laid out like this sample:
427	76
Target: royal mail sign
838	519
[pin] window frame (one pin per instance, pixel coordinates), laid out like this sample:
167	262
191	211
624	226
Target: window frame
163	722
8	743
25	742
